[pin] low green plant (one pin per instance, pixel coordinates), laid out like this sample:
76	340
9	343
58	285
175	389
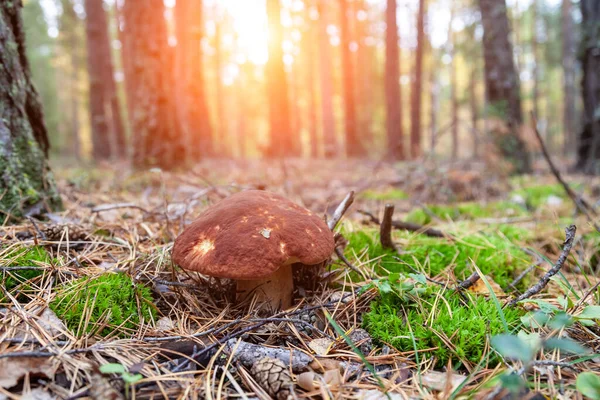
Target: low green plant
103	304
436	322
465	211
536	196
386	194
128	377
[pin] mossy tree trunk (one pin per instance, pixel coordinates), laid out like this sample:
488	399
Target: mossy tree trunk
502	83
26	182
588	160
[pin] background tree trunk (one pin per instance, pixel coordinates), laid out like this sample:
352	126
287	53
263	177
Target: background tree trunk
277	88
354	147
155	137
326	79
568	63
502	83
95	25
453	83
415	127
589	142
393	102
194	118
26	182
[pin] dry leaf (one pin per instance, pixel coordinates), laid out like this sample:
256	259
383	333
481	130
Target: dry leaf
320	346
13	369
439	380
479	287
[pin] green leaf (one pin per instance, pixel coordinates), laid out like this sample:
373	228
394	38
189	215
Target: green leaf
567	345
513	347
131	378
535	319
419	278
588	384
590	312
512	382
561	320
394	277
112	368
545	307
384	286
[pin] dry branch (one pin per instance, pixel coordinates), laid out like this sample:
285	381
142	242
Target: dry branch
582	204
248	354
385	229
341	210
407	226
570	236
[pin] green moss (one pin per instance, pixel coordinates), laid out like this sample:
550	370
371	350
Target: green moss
104	304
537	196
387	194
493	253
24	257
434	320
465	211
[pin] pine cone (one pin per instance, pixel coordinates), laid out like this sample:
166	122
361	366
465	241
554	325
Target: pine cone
73	233
273	376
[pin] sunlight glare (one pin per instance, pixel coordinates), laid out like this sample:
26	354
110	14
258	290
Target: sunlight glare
250	24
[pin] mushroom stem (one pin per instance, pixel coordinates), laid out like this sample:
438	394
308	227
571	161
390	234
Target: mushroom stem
276	289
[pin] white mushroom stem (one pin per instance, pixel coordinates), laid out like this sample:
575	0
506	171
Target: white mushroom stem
276	289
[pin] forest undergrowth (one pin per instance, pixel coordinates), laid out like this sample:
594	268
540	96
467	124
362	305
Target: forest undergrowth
93	307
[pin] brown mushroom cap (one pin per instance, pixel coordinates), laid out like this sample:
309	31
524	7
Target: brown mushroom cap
250	235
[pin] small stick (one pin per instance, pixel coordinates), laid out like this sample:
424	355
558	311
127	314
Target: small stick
470	281
106	207
582	205
537	263
570	236
341	210
407	226
37	229
385	229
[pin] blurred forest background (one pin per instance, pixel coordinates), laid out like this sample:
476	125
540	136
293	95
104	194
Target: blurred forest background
164	82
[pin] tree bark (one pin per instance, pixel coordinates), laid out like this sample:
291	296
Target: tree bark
393	102
95	25
568	64
193	111
366	73
26	183
354	147
415	128
326	79
588	160
502	83
536	61
277	88
155	134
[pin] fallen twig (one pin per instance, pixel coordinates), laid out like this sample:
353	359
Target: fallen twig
248	354
341	210
470	281
342	257
385	229
107	207
407	226
582	204
537	263
570	236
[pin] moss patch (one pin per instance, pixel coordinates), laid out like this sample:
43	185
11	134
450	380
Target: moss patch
24	257
466	211
103	304
493	253
435	319
386	194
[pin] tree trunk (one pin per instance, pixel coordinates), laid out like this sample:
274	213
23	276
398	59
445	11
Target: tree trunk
222	123
393	102
155	136
453	88
277	88
354	146
589	140
95	25
473	102
415	128
26	183
366	74
191	105
568	63
309	41
536	61
326	79
502	83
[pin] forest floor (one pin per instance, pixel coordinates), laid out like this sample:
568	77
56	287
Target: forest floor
92	306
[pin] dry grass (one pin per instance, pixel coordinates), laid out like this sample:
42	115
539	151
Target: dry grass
119	221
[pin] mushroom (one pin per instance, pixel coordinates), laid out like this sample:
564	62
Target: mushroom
254	237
